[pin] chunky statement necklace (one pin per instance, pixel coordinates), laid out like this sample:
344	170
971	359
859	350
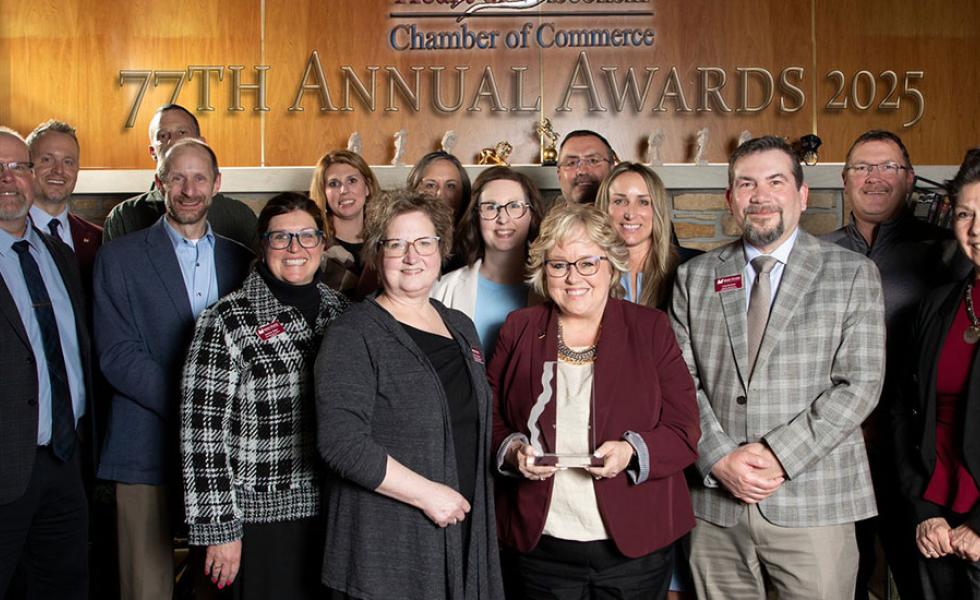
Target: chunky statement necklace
574	357
970	336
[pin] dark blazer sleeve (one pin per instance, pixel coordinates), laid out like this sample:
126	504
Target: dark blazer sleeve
124	357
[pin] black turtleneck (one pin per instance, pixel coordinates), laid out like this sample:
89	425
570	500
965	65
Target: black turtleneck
304	297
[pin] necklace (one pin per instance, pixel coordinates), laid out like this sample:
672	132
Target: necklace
972	333
574	357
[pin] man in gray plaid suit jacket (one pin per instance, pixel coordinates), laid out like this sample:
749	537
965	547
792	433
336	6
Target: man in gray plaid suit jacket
783	471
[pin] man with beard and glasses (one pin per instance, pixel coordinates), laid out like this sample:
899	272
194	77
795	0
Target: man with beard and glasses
584	160
229	217
913	258
45	361
150	286
784	336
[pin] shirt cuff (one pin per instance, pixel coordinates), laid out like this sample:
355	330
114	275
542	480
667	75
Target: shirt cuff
502	452
641	471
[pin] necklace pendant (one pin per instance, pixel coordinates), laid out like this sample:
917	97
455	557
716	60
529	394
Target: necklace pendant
972	334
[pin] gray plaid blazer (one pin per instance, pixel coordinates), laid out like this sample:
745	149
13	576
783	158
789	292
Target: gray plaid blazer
817	376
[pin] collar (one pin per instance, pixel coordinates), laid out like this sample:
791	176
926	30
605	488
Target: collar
781	253
43	218
30	234
176	238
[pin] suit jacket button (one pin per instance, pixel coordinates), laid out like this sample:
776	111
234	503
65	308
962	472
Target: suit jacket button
915	412
32	401
740	400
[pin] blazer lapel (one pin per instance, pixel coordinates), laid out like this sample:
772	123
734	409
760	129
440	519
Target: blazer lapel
9	310
731	263
801	270
160	252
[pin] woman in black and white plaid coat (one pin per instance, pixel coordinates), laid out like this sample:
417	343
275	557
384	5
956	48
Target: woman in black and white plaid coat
247	419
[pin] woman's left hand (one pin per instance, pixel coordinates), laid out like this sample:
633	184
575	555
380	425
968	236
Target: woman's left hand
965	542
616	457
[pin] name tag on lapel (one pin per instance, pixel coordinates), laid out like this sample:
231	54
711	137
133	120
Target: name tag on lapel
477	355
732	282
270	330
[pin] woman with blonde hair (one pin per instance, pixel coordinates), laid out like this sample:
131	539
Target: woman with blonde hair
342	186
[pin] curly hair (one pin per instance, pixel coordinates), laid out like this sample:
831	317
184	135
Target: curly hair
380	213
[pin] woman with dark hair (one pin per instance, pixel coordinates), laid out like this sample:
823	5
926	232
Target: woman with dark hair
937	423
403	408
342	186
499	223
248	435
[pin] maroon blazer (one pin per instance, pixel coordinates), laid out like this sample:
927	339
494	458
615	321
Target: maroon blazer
86	237
641	385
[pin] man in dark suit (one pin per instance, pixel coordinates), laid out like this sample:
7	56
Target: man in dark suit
55	153
149	287
45	366
229	217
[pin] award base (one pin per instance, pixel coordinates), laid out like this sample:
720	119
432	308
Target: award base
568	461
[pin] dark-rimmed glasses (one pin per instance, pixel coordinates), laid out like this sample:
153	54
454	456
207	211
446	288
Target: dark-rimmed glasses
490	210
397	248
280	240
586	266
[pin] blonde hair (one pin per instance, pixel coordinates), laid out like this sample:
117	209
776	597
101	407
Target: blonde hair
661	262
559	225
318	186
380	213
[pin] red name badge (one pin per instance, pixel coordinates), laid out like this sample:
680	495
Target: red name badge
477	356
270	330
732	282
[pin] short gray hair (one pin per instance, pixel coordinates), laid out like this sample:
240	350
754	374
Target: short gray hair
164	167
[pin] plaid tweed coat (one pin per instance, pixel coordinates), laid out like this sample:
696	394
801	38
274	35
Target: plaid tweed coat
248	431
817	376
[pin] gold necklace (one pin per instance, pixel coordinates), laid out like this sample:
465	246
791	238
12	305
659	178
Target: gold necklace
575	357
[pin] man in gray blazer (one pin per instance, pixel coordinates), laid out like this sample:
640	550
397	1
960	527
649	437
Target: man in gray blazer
149	288
784	336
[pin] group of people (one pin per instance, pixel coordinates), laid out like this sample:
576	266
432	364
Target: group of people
452	390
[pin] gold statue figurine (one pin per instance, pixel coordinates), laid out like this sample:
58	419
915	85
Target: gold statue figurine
548	138
497	155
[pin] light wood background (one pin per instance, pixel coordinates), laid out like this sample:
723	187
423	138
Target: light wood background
62	59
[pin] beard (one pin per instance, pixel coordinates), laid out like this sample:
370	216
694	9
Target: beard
186	215
587	194
13	208
757	236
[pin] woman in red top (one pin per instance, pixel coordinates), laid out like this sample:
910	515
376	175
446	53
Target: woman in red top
937	426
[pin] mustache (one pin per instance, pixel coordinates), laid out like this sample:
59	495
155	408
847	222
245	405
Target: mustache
758	208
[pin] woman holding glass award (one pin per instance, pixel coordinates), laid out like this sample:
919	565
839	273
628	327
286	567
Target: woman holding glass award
595	420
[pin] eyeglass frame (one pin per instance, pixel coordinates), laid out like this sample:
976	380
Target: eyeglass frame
573	263
409	243
588	162
524	204
865	169
5	166
317	233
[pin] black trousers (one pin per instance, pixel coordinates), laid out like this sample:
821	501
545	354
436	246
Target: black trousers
281	560
565	570
44	534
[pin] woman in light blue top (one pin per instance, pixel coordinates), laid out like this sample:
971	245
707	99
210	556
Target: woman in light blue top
499	223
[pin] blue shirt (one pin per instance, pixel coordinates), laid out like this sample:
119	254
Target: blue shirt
13	277
43	221
781	254
627	281
494	301
196	260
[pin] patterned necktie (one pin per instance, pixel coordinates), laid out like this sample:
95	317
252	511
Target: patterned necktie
759	302
53	226
62	415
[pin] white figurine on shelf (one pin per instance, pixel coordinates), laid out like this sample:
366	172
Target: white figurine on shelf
743	137
401	137
655	143
448	142
354	143
699	158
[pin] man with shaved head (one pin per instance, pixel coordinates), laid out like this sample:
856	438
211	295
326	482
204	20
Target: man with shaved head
45	372
150	286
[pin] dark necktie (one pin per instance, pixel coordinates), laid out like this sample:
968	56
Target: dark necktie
62	415
760	300
53	226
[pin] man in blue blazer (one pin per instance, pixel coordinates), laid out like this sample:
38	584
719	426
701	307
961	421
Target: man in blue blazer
45	373
149	288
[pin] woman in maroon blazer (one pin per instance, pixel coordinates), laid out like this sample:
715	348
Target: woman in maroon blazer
587	373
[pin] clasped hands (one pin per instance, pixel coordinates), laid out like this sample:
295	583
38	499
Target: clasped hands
751	472
935	538
616	457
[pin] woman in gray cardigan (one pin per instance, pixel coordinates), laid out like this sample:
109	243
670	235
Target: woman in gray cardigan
403	411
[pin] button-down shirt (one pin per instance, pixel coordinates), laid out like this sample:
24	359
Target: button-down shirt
13	278
196	260
781	254
43	219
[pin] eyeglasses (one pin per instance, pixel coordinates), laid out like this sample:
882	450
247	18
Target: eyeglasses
17	167
280	240
396	248
586	266
887	169
490	210
587	162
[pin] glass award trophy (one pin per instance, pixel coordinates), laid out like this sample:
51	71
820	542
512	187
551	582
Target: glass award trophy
566	460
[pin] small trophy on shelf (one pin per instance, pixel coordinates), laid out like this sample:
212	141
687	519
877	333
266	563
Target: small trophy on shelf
497	155
548	139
